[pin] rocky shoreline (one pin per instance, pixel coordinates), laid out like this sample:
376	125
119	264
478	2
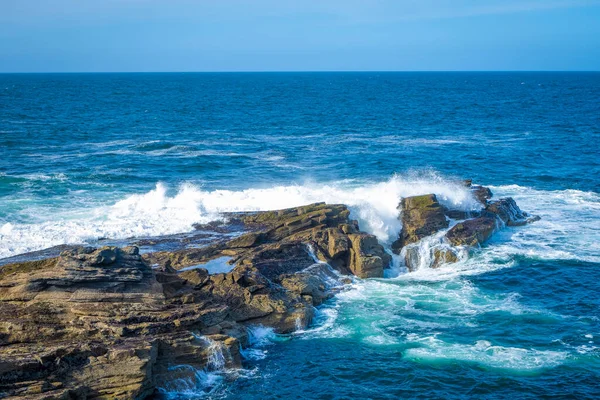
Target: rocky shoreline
113	323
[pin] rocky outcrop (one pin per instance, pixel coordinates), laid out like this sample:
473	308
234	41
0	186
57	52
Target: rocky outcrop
509	213
481	194
472	232
278	240
421	216
443	256
367	257
110	323
96	323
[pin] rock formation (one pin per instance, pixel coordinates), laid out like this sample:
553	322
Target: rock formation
93	323
278	241
110	323
113	324
421	216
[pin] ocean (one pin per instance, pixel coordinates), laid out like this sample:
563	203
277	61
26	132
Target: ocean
89	157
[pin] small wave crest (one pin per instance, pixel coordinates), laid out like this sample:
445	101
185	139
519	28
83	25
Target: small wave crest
516	359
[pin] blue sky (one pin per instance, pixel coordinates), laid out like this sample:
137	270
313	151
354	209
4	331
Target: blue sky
280	35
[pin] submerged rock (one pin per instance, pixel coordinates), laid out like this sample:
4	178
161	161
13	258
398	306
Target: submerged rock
421	216
443	256
429	254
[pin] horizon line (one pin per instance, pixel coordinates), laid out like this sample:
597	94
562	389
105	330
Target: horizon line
293	71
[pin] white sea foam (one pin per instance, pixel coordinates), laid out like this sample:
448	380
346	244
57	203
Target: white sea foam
157	212
482	352
195	383
569	229
259	338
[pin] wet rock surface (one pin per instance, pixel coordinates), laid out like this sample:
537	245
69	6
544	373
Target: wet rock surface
472	232
420	242
93	323
421	216
114	323
111	323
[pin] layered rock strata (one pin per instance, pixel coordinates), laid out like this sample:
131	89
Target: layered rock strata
110	323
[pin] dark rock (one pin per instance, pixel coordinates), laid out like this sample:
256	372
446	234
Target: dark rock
509	213
482	194
250	239
461	214
472	232
196	276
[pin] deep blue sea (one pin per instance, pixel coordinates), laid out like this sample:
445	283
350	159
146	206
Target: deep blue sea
89	156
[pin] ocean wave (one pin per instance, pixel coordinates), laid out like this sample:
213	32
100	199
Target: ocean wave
158	212
569	228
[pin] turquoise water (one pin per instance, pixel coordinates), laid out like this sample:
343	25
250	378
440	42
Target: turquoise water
92	156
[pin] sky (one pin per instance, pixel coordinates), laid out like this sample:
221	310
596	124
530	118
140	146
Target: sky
298	35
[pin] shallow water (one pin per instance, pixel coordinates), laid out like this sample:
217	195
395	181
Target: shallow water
84	157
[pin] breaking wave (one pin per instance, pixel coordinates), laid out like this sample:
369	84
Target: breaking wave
158	212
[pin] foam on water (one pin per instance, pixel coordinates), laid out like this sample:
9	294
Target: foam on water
569	228
409	309
189	382
198	383
412	312
484	353
158	213
260	338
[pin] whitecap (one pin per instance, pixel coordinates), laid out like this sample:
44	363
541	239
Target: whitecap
433	351
157	212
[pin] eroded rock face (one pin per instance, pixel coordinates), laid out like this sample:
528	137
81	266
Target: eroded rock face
279	239
474	232
367	259
109	323
94	323
421	216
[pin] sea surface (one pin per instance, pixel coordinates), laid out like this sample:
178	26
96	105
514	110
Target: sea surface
88	157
